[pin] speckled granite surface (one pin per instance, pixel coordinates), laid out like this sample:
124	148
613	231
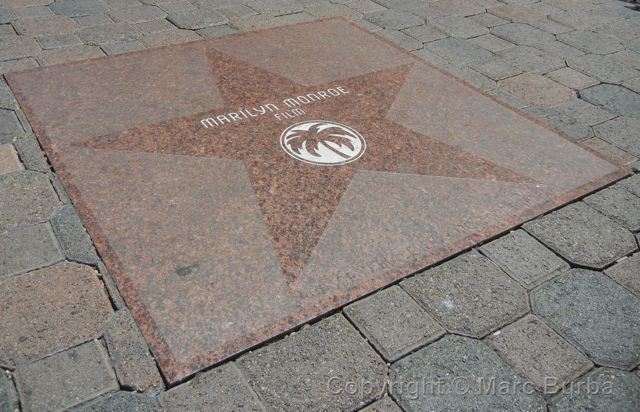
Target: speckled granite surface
219	239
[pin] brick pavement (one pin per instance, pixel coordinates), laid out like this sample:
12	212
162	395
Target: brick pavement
551	311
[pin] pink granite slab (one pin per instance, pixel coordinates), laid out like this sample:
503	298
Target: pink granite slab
220	239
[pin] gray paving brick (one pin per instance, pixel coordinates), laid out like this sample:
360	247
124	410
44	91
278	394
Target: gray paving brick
8	398
65	303
624	132
137	14
610	151
626	273
109	33
221	389
198	19
6	31
7	99
275	7
237	11
474	78
216	31
632	184
633	84
522	34
491	42
452	371
9	126
120	402
572	78
9	161
219	4
488	20
468	295
94	20
583	236
77	8
154	26
326	356
69	54
537	89
619	204
364	6
393	322
58	40
583	19
508	99
324	9
135	368
591	42
532	60
401	39
165	38
604	68
18	47
459	52
614	98
602	389
45	25
586	112
524	258
426	12
33	11
550	26
73	239
31	154
385	404
425	33
539	354
558	49
27	198
497	69
6	15
401	4
594	313
177	7
66	378
460	7
628	58
394	19
459	26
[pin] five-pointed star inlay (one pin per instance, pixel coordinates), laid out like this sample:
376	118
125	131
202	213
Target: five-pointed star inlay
298	199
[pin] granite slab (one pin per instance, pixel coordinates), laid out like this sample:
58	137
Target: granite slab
240	186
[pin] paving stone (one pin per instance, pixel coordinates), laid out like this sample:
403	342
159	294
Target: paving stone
572	78
474	78
522	34
508	99
586	112
6	15
219	4
537	89
426	12
385	404
134	365
7	99
33	11
275	7
459	52
551	26
74	240
604	68
216	31
89	21
532	60
583	236
248	23
9	161
453	371
590	42
517	13
401	4
69	54
120	402
488	20
9	126
65	305
524	259
324	9
137	14
631	184
77	8
45	25
602	389
460	7
27	198
561	122
468	295
109	33
401	39
8	398
583	19
497	69
614	98
65	379
325	357
198	19
166	38
491	42
177	7
238	11
220	389
626	273
594	313
619	204
425	33
628	58
31	154
58	40
364	6
154	26
558	49
394	19
624	132
626	29
539	354
18	47
459	26
393	322
608	150
6	30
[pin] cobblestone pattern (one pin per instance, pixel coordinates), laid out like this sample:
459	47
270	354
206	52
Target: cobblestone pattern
573	63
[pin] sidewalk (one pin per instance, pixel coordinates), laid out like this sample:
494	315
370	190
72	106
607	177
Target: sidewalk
547	316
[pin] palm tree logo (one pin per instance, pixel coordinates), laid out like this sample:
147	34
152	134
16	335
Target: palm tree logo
322	142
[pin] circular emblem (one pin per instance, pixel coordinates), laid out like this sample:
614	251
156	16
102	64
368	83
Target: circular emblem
320	142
